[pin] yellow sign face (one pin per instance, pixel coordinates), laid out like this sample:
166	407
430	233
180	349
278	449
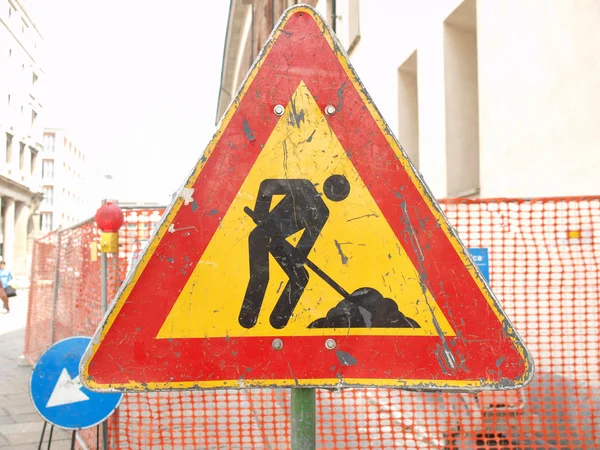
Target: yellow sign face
355	249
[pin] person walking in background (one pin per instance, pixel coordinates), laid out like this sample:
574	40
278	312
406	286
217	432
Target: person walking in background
5	275
5	278
4	299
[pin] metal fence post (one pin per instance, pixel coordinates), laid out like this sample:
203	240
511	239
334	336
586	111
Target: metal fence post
103	283
103	307
303	419
56	283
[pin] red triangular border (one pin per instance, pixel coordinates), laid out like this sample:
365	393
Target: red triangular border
126	355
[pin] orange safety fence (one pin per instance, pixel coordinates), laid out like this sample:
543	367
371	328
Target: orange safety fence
544	258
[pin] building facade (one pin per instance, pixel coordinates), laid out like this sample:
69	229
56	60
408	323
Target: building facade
487	98
71	183
21	113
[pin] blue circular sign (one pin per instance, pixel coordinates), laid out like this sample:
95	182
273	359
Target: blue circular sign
57	392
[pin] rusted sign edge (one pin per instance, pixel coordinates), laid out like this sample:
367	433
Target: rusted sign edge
184	197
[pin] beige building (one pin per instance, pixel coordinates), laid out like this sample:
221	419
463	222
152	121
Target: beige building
488	98
71	183
20	132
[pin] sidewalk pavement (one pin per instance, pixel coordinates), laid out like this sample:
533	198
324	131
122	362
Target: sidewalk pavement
20	424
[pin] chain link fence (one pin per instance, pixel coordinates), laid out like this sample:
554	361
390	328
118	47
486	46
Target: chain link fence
544	267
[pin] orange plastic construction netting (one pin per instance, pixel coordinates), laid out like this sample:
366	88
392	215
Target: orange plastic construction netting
544	258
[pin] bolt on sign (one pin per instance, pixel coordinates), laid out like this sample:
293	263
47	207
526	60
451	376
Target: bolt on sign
305	250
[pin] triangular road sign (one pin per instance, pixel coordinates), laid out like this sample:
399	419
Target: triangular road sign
304	250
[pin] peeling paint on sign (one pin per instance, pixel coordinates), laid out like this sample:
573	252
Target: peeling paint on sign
307	251
187	195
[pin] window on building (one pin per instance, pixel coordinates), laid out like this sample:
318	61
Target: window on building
46	222
48	169
49	141
462	101
48	192
408	108
21	156
9	140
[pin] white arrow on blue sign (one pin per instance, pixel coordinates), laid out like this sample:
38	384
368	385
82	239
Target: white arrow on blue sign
57	393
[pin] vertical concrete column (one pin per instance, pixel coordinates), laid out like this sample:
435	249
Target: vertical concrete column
408	108
9	231
432	113
33	232
20	246
462	109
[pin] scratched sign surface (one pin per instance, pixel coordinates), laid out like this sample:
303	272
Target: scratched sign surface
304	250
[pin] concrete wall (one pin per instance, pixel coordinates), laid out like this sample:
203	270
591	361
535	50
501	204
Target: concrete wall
462	110
408	107
516	82
539	73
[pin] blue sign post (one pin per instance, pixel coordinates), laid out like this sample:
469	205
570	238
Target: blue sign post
57	392
482	260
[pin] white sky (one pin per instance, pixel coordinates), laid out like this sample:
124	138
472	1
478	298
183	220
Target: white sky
136	83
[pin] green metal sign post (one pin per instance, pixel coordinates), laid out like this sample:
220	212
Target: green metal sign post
304	421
